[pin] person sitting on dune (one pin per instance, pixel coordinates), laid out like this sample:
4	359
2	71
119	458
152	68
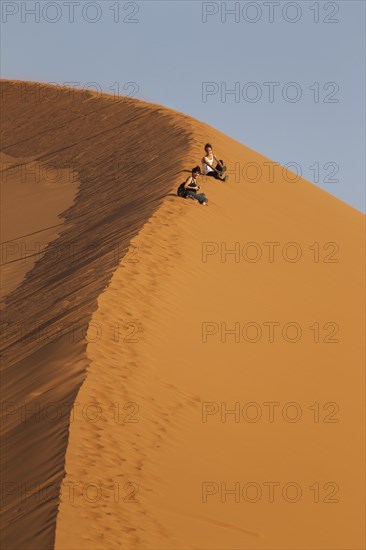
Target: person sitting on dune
208	164
191	187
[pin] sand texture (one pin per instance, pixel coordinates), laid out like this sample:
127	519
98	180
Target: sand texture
212	385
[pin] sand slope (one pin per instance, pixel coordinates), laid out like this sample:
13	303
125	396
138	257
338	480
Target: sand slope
142	454
130	298
45	319
33	197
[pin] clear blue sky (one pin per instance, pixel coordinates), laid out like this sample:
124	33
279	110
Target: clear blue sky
171	50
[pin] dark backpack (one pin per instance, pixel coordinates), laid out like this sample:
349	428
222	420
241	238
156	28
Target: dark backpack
181	192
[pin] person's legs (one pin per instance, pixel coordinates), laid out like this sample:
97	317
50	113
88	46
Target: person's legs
218	167
201	197
191	195
198	197
215	175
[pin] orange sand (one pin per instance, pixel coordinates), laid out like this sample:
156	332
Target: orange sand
140	460
33	198
161	380
45	318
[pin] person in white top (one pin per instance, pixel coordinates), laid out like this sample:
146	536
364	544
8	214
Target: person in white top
208	164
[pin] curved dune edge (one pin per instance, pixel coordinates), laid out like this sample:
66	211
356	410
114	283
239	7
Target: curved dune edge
137	431
32	204
45	318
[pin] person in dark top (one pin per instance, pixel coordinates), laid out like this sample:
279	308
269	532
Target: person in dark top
191	187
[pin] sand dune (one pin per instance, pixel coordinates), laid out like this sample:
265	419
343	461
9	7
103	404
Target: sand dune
46	318
180	333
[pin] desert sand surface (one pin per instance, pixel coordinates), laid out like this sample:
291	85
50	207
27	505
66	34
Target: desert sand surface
223	401
45	319
33	197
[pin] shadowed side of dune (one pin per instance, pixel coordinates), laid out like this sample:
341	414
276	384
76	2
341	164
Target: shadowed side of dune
32	203
117	147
